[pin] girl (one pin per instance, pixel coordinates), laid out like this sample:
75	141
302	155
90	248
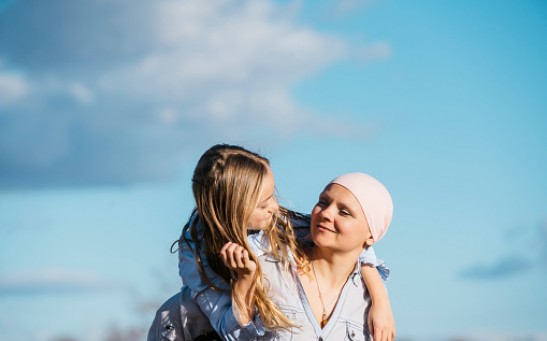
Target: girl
234	192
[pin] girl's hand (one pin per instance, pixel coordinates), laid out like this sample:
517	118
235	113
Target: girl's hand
381	322
235	257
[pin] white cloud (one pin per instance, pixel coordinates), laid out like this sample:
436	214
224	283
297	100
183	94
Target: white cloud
80	92
51	280
211	47
13	87
121	91
376	51
529	253
168	115
345	7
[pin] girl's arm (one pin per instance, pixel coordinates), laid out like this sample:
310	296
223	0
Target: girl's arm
215	304
380	317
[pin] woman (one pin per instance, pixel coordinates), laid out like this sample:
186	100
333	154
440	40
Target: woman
327	299
234	192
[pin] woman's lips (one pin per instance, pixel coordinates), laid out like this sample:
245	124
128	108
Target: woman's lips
324	228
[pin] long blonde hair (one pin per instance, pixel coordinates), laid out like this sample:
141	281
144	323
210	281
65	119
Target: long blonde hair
226	185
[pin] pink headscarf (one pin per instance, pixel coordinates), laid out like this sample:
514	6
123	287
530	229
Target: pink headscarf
374	199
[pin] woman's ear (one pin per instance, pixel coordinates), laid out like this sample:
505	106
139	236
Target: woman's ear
368	242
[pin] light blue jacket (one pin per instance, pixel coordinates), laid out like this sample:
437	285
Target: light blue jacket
217	305
349	317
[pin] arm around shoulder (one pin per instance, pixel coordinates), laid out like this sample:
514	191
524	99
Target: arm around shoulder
380	317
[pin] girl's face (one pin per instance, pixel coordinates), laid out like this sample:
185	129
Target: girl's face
267	204
338	221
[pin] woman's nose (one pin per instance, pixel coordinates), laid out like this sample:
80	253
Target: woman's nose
326	213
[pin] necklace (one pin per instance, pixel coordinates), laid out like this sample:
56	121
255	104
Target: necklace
324	319
324	316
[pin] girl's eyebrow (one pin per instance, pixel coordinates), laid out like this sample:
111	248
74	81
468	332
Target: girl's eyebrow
268	198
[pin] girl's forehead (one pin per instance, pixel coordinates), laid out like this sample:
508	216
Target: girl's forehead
268	184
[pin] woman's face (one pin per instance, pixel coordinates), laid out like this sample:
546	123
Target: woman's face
338	222
267	204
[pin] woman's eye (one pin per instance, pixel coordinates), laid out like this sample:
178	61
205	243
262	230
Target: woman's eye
345	212
322	203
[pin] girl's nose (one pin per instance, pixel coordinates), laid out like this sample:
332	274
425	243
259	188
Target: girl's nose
273	206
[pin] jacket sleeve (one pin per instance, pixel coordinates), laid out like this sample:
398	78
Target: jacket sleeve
368	256
167	324
215	304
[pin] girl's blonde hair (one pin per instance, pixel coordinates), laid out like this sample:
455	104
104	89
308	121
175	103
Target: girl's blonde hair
226	185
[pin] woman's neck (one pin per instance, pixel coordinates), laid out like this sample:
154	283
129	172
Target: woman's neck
332	266
323	284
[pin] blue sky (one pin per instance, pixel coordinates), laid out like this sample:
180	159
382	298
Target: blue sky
105	108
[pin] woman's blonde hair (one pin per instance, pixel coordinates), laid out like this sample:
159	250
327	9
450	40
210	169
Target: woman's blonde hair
226	185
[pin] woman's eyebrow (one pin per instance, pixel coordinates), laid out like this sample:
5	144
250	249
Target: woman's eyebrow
324	196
